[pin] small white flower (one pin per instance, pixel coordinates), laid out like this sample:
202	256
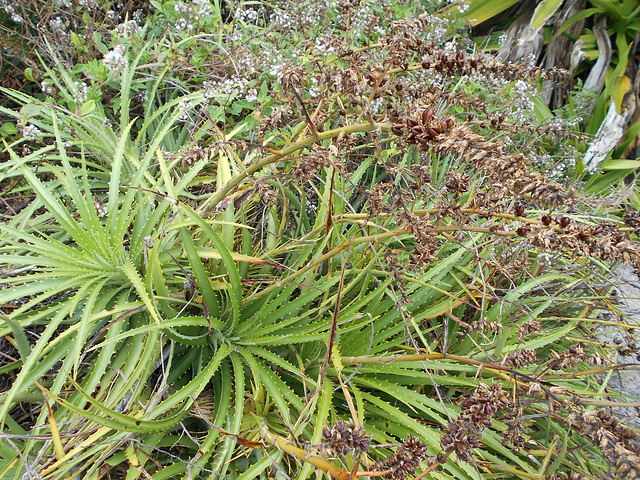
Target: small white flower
181	7
184	107
129	28
182	24
236	36
30	132
252	95
46	88
88	4
101	210
138	16
57	25
80	94
115	60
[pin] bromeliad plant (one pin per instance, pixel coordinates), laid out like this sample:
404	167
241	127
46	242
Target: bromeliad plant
376	287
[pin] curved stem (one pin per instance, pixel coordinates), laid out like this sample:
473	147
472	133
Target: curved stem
303	455
221	194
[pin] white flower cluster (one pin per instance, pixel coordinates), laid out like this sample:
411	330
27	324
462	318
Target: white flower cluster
556	166
230	88
362	20
251	95
89	4
323	46
80	92
10	9
101	210
236	36
438	27
115	60
63	3
59	28
195	10
138	16
304	14
30	132
142	96
46	87
129	28
183	26
247	63
376	104
282	19
315	90
450	47
184	107
248	15
522	102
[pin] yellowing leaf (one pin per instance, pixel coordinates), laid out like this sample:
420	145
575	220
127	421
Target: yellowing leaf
619	90
544	11
131	455
482	10
238	257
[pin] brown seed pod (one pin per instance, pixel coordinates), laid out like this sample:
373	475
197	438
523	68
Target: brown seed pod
427	114
519	210
398	129
412	122
521	231
565	221
598	229
546	220
448	121
426	63
433	132
417	129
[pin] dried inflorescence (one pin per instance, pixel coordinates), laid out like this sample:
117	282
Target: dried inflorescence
522	358
319	157
344	438
477	413
423	128
507	175
617	441
564	360
513	435
405	461
601	241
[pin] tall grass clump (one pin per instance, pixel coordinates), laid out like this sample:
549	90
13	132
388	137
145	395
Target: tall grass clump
289	240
